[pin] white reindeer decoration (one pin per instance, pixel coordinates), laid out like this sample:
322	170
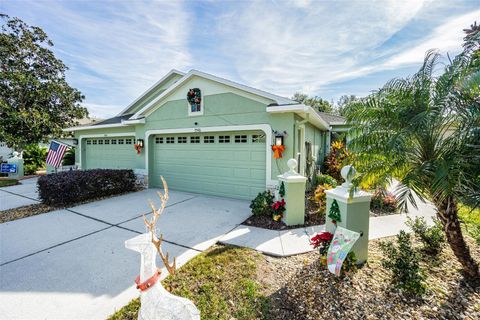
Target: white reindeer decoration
156	302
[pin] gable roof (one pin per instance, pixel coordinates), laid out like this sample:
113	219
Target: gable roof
157	84
192	73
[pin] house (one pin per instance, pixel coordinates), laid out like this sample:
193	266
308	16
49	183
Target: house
206	134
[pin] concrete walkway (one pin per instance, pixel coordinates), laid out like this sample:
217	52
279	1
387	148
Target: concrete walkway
72	264
296	241
20	195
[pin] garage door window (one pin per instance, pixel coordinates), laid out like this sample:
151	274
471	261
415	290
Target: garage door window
194	139
107	141
100	141
209	139
170	139
114	141
128	141
182	139
94	141
241	139
159	140
89	141
121	141
258	138
224	139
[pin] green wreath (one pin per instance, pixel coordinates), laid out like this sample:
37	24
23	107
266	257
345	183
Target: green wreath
194	98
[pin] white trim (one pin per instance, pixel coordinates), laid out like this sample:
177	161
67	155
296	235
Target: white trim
165	77
191	73
264	127
101	135
134	121
302	110
100	126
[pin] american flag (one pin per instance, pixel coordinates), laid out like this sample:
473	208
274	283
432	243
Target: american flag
55	153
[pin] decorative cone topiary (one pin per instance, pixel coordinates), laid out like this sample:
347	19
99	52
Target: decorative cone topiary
334	212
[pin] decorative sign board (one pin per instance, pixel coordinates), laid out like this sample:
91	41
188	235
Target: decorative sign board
342	242
8	168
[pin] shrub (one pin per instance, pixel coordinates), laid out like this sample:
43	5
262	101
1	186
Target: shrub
321	197
34	157
325	179
336	159
431	237
69	157
404	263
383	201
262	204
68	187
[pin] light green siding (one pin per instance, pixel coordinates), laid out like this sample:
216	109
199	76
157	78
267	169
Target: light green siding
232	169
109	153
226	109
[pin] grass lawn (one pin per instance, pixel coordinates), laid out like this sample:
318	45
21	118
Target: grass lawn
221	283
8	182
471	218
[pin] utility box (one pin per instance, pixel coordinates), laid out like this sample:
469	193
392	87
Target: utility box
354	212
294	195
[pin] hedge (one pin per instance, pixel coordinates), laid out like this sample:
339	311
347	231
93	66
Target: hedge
69	187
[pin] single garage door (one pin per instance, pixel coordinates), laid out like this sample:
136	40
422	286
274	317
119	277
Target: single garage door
110	153
229	164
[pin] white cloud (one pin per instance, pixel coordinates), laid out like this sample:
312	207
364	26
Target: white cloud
115	50
102	111
446	37
283	49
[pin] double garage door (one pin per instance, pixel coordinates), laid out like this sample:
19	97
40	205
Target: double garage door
110	153
229	164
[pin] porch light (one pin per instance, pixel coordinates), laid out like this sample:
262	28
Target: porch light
140	143
279	137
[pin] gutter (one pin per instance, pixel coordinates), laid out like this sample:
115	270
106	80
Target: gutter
306	112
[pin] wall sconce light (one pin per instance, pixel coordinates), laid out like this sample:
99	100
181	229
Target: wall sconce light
279	137
140	143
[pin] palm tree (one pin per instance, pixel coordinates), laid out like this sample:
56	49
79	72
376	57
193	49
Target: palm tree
424	131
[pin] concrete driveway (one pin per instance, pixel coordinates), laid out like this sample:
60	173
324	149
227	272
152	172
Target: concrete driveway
72	264
19	195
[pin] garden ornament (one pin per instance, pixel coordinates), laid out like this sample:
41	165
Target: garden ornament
156	302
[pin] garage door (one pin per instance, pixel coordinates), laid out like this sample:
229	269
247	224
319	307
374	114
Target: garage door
229	164
110	153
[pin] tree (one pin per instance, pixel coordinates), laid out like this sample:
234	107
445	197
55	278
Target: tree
343	103
314	102
35	100
424	132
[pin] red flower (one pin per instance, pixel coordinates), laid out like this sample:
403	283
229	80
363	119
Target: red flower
321	238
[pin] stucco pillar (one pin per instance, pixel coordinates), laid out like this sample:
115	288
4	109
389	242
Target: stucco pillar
16	160
354	212
294	195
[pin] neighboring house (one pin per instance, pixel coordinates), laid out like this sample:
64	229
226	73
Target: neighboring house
218	141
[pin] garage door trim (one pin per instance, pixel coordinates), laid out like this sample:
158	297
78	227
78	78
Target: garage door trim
81	140
263	127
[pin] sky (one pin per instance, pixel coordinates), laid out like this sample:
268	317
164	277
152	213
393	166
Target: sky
115	50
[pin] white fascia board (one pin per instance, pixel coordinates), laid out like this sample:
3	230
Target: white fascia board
165	77
191	73
134	121
114	125
302	110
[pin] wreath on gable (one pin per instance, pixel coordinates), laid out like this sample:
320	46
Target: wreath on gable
194	98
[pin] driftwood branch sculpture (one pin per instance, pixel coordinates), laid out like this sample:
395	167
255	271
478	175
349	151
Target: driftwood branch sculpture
151	223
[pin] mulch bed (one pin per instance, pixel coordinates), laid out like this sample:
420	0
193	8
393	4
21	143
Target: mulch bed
301	288
313	217
25	211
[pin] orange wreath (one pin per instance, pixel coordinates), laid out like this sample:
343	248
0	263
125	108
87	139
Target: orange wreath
277	151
